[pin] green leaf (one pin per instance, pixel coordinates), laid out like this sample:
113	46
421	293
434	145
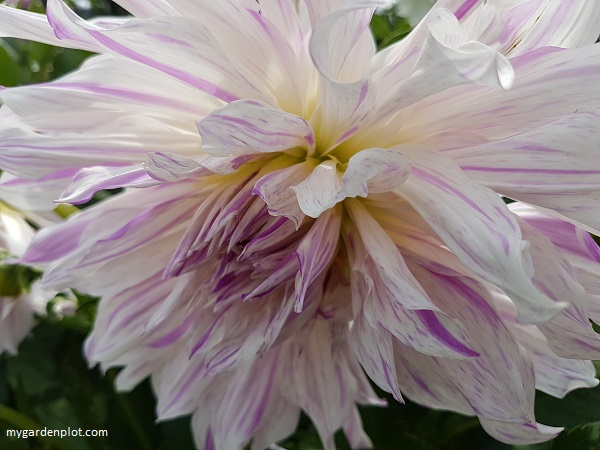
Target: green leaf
10	71
582	437
580	407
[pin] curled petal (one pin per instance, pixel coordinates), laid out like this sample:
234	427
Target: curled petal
248	126
374	171
89	181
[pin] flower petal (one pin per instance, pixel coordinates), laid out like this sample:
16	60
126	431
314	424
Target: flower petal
520	434
22	24
447	59
89	181
319	191
554	166
275	189
35	195
547	86
248	126
373	349
123	141
476	225
161	43
374	171
315	252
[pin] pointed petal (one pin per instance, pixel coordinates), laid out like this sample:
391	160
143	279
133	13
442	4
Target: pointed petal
476	225
500	383
373	349
315	252
35	27
374	243
520	434
553	375
569	333
89	181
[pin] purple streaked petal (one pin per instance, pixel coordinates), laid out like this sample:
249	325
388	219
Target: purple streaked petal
319	191
566	164
373	349
458	209
275	189
387	262
315	252
249	126
33	26
206	68
520	433
374	171
89	181
172	167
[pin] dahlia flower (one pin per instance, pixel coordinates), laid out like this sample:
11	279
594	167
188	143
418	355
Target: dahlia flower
18	303
300	210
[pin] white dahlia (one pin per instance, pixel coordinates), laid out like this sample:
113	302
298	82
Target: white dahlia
301	210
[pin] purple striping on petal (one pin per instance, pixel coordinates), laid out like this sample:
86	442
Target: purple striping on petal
432	179
255	129
175	335
435	327
209	443
463	9
222	360
347	134
169	40
208	332
475	299
363	94
65	173
262	407
192	80
197	373
263	24
531	170
126	94
310	139
149	287
423	385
